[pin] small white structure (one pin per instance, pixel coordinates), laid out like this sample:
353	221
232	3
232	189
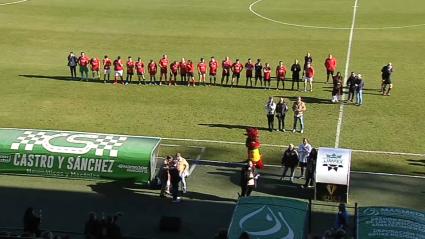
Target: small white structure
333	174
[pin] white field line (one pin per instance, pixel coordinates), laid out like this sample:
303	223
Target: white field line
278	166
347	65
284	146
326	27
195	162
11	3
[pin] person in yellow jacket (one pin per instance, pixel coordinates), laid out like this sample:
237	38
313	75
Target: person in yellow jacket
183	167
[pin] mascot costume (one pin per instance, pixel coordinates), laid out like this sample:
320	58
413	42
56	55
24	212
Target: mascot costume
253	146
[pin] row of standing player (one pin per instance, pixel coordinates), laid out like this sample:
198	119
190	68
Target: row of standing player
186	70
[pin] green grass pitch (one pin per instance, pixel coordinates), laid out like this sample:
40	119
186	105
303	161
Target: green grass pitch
38	34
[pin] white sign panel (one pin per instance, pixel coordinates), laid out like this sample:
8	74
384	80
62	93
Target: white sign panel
333	166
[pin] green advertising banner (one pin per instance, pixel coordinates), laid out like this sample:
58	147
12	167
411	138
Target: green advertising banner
390	223
269	218
77	154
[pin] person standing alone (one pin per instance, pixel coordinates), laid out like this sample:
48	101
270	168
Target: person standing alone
270	110
249	178
386	79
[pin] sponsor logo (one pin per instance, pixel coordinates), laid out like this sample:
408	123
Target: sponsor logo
331	188
70	143
333	161
4	158
275	225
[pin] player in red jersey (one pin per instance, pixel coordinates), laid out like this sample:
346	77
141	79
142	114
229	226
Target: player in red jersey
202	71
226	64
83	62
174	68
163	65
267	75
130	70
182	69
189	72
152	68
213	69
280	75
330	65
309	76
107	63
236	72
118	68
140	70
249	67
95	67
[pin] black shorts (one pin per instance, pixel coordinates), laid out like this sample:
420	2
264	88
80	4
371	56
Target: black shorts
296	78
387	81
303	164
225	73
258	75
236	75
189	74
329	72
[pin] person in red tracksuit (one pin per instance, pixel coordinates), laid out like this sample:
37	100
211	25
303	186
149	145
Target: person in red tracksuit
330	65
249	66
140	70
226	64
163	65
130	70
95	67
280	75
174	68
213	64
152	68
309	76
189	72
182	69
236	69
118	68
107	63
202	71
267	76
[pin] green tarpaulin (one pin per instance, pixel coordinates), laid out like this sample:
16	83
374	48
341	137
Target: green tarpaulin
269	218
77	154
390	223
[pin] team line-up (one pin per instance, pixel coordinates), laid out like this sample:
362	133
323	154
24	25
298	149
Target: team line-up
231	71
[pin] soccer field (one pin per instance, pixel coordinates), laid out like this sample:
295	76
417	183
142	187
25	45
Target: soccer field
37	35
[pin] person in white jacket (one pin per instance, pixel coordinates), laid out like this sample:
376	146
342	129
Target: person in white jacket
270	108
303	151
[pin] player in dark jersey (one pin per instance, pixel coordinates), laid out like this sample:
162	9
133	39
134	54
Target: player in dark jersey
258	72
386	79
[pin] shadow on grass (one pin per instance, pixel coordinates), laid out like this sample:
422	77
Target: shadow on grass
230	126
142	209
417	162
268	184
307	100
61	78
